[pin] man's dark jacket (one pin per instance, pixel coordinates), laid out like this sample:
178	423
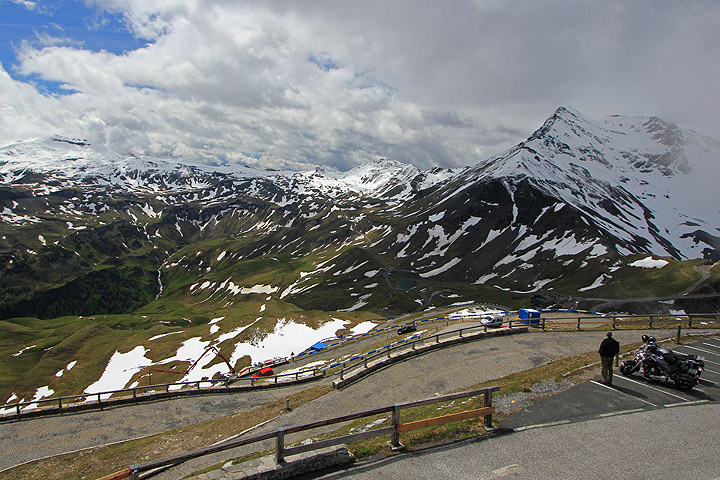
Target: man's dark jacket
609	347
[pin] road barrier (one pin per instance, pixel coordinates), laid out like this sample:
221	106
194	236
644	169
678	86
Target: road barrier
282	451
585	318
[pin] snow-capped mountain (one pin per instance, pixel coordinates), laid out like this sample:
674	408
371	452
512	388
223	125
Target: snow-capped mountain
578	191
641	180
578	194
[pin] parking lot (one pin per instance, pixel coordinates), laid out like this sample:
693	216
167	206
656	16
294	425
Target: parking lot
627	394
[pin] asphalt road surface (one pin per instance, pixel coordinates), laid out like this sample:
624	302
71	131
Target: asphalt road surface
419	377
634	429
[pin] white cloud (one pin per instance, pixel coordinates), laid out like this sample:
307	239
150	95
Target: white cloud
30	5
339	83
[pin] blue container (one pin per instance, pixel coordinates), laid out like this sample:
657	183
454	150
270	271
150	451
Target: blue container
529	316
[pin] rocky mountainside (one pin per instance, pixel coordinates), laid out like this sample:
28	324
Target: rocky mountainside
84	230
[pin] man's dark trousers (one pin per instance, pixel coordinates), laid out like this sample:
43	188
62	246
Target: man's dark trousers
607	369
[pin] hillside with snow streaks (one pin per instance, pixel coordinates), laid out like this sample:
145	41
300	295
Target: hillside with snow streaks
147	262
578	195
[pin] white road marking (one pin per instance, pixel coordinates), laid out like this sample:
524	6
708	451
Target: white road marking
500	472
686	403
541	425
703	350
622	412
660	390
626	394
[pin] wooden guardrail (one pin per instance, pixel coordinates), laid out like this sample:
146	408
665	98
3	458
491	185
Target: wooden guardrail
281	451
636	321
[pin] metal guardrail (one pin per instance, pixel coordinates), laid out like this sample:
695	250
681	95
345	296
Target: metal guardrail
387	350
95	399
148	391
152	467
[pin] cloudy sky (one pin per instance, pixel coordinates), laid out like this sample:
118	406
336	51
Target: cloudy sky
288	84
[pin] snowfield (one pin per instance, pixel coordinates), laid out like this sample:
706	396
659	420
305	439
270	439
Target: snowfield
649	262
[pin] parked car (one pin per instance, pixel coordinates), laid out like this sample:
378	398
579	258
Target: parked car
263	372
406	329
492	320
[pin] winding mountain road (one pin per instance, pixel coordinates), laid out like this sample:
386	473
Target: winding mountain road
419	377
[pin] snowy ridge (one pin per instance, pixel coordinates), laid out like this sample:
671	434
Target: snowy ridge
634	177
75	163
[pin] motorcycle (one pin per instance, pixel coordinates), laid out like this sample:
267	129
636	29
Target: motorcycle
665	366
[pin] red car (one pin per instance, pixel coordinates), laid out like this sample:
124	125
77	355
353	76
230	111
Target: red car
263	372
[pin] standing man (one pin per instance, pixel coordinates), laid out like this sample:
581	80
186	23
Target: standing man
608	349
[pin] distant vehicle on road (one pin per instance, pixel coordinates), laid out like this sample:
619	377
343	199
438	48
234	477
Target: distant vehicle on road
406	329
492	320
263	372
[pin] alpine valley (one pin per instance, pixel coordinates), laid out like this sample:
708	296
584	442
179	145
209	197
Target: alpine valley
87	231
614	214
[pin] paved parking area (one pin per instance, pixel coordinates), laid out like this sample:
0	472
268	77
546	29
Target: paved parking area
627	395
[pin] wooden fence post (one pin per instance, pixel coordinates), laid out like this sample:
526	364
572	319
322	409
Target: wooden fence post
280	445
578	324
395	440
488	403
677	338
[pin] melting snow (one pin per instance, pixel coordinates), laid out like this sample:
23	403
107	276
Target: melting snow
40	393
287	338
258	289
649	262
363	327
436	217
441	269
120	370
597	283
22	350
162	335
361	303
